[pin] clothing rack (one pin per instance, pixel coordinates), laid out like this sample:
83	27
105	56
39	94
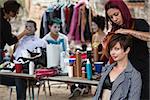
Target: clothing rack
84	27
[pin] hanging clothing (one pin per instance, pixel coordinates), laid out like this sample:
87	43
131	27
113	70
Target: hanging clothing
68	16
74	29
80	28
50	13
87	31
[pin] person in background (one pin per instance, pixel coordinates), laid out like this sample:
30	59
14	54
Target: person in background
57	40
120	80
118	15
10	10
98	25
28	43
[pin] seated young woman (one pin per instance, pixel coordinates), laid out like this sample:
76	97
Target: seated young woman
120	80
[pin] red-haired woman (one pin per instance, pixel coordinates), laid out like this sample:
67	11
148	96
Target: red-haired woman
118	14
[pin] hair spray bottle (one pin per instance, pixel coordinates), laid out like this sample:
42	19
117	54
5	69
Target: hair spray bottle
88	69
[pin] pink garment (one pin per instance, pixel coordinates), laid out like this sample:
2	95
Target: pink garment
74	29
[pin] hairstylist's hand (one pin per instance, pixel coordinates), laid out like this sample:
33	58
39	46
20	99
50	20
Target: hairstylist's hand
145	36
25	32
123	31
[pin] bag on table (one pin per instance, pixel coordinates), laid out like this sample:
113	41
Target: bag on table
46	72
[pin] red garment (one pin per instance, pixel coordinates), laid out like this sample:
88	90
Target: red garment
67	15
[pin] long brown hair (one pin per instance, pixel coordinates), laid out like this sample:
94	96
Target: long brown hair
127	22
105	56
126	15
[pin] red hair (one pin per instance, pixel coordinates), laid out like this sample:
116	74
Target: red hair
119	4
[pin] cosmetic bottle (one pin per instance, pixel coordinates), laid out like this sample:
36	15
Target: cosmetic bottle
88	69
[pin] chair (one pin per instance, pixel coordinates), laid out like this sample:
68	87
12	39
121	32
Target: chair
44	73
11	88
43	83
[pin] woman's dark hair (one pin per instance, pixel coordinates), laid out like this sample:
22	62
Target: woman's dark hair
31	21
11	5
100	21
124	40
126	15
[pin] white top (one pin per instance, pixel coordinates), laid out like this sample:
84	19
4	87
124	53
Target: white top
61	36
30	43
55	49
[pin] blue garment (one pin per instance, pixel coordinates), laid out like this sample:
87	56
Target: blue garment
57	42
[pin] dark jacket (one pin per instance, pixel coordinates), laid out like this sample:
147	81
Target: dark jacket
5	32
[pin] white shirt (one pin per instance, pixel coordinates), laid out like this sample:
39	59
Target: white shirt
55	48
30	43
61	36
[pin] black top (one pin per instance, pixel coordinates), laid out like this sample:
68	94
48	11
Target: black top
139	56
107	83
5	32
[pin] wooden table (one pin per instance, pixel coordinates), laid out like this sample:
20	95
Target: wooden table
19	75
29	78
66	79
78	80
